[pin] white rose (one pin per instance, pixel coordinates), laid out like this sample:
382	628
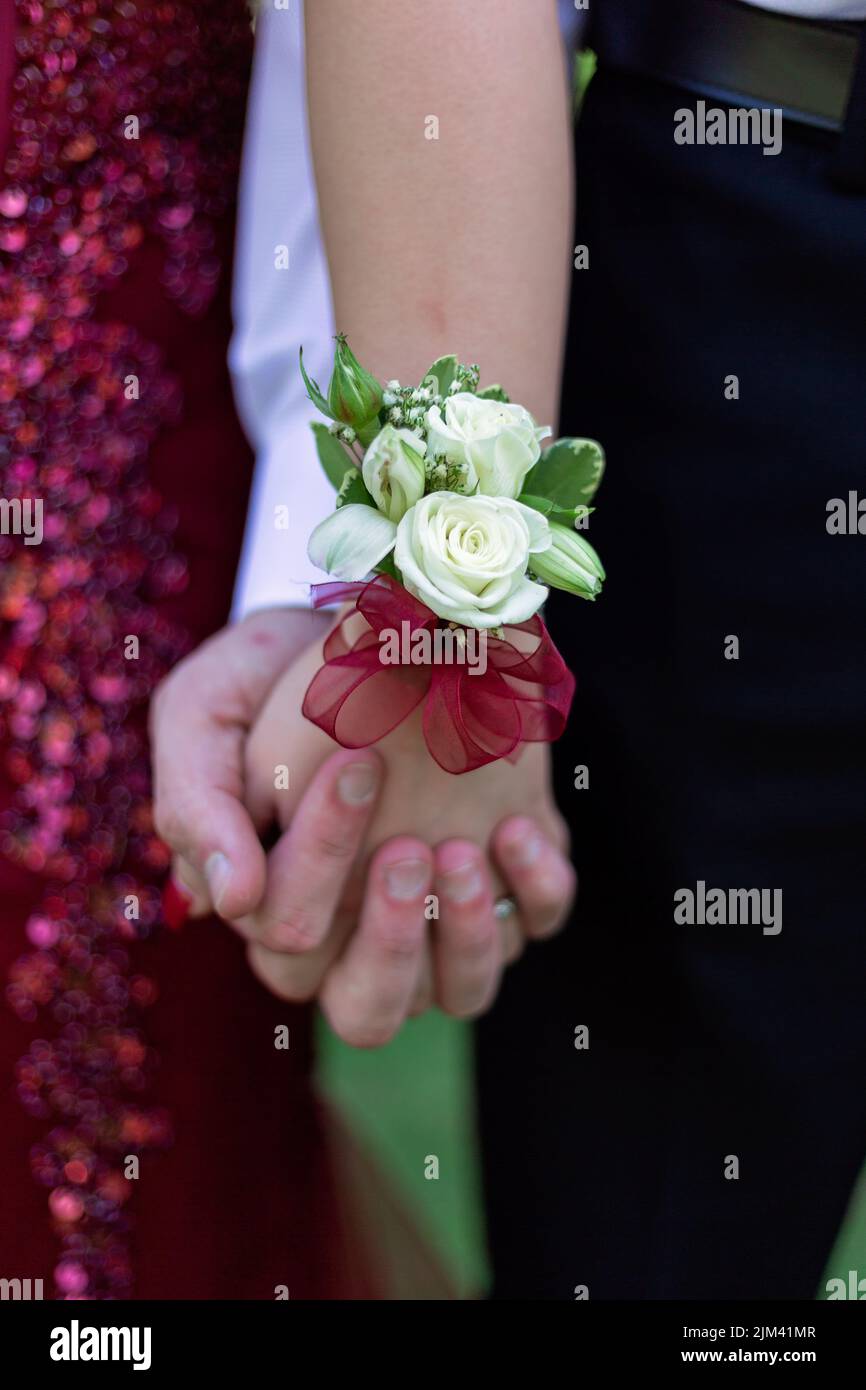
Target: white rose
498	443
394	470
466	557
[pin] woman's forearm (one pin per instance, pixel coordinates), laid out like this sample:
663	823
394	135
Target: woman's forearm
457	243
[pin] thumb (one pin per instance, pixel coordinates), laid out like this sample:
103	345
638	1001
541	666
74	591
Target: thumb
219	859
199	723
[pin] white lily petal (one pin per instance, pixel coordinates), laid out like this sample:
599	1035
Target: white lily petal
352	541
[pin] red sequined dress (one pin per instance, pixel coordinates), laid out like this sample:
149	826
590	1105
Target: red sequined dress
154	1143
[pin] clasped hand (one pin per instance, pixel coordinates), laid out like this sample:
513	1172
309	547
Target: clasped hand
378	898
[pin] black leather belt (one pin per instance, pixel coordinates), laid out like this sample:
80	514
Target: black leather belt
735	53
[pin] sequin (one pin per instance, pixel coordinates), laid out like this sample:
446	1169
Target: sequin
82	189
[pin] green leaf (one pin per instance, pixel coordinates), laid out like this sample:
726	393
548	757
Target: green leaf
538	504
493	393
332	455
443	373
354	489
314	391
566	515
412	454
568	473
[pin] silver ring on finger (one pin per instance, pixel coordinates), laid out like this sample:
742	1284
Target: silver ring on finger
504	908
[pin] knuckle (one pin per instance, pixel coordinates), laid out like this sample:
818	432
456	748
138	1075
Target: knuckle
548	907
301	991
398	940
287	986
569	888
162	698
367	1036
513	951
471	1004
295	929
549	911
552	887
511	941
170	825
296	987
421	1003
359	1029
475	937
335	848
157	703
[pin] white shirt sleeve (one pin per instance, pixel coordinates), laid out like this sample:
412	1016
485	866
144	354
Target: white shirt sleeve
281	302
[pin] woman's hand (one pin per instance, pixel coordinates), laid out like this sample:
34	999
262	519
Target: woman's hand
199	720
383	903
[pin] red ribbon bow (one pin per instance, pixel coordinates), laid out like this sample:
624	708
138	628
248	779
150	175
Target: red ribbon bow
523	696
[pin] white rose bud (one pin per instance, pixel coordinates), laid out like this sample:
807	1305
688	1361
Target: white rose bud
498	442
393	470
466	557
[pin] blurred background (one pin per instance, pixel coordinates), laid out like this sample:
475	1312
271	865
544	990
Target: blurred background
414	1099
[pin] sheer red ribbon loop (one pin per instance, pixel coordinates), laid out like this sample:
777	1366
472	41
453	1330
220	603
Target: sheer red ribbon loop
471	715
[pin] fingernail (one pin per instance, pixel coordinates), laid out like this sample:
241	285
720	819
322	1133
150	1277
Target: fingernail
357	783
463	883
407	879
217	871
526	850
176	901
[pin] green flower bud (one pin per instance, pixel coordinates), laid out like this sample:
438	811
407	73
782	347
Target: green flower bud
354	396
569	563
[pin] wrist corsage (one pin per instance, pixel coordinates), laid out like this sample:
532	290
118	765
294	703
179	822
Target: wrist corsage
450	524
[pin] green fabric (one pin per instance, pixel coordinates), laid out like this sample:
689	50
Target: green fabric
407	1102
